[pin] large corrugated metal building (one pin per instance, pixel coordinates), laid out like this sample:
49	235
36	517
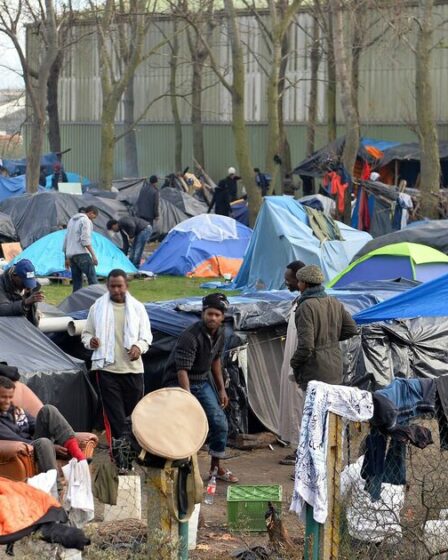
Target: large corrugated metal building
386	95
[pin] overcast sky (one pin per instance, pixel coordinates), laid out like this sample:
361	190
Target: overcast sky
9	65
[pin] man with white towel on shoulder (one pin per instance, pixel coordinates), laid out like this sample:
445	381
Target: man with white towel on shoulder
119	332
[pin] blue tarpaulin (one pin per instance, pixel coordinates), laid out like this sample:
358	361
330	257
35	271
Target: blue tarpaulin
12	186
427	300
18	166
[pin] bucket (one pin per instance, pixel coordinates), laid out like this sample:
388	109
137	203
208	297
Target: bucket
193	527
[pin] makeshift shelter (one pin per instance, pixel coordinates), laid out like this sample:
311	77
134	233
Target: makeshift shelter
204	246
48	257
12	186
405	260
55	377
18	166
282	234
175	206
432	233
7	230
317	164
34	216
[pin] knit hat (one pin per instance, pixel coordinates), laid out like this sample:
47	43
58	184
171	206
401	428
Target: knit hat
231	171
153	179
215	301
311	274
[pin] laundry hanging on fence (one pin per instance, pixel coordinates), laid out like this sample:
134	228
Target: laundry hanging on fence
311	467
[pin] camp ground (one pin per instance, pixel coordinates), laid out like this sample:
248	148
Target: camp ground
223	280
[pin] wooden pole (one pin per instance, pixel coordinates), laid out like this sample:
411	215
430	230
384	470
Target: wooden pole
163	531
334	468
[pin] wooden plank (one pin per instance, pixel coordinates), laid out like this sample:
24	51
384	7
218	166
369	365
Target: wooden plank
330	545
11	250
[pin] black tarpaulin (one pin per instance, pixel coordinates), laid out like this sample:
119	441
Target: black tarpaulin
54	376
7	230
37	215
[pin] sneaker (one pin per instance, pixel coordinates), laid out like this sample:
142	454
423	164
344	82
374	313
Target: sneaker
288	460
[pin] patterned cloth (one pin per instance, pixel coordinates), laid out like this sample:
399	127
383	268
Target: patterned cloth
311	467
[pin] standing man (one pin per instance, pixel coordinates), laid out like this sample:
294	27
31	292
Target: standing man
322	322
119	332
263	181
79	254
20	292
194	360
135	232
59	176
292	397
148	201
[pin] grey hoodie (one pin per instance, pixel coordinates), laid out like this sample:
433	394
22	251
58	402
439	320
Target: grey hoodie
79	235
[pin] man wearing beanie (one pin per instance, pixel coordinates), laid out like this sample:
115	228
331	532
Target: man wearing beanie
322	322
225	193
148	201
194	360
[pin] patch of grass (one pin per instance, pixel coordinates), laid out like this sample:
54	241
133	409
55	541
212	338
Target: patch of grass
157	289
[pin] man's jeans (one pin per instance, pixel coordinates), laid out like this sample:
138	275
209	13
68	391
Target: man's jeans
51	427
139	244
216	417
80	264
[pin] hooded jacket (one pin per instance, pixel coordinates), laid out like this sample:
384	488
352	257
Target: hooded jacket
321	322
11	301
79	235
17	425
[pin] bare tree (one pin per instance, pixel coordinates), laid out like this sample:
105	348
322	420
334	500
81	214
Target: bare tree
424	103
122	26
315	56
41	17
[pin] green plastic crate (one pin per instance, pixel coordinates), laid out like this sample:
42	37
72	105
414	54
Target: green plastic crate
247	505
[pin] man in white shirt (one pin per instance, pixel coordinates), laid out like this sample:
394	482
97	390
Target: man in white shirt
119	332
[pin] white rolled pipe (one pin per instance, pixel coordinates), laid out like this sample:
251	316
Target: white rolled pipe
75	328
54	324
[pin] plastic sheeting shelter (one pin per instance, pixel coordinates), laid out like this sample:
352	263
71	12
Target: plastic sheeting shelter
203	246
7	230
401	260
54	376
34	216
427	300
47	255
282	235
12	186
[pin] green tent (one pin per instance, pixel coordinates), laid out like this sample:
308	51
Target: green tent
400	260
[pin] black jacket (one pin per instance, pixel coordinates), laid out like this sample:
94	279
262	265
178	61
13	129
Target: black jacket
130	227
11	302
195	351
17	425
148	202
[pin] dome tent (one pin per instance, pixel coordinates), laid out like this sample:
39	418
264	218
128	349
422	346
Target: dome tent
400	260
204	246
47	256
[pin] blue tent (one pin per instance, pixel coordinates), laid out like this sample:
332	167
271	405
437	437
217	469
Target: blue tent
18	166
207	245
282	235
427	300
47	256
12	186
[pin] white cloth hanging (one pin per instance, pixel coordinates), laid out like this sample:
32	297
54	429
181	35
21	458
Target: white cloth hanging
78	498
310	484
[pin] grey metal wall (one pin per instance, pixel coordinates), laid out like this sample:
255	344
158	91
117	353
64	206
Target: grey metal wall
156	146
386	73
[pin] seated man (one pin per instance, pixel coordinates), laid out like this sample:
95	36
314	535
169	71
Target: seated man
48	433
20	292
196	355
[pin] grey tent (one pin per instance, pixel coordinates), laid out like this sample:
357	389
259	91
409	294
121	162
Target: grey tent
34	216
54	376
82	299
433	233
7	230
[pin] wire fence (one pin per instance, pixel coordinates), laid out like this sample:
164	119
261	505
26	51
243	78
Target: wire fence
388	498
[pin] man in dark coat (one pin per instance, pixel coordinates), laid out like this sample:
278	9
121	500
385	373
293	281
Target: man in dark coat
20	292
148	201
135	233
322	322
225	193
